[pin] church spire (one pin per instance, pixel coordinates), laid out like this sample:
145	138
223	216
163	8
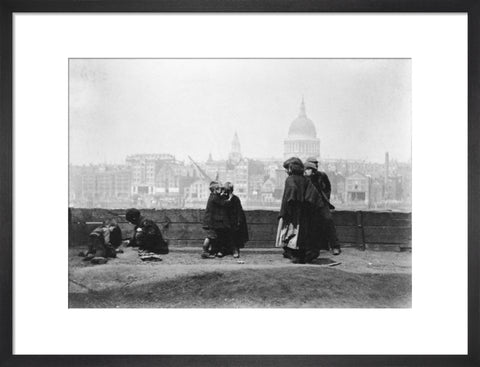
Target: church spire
302	108
235	153
235	144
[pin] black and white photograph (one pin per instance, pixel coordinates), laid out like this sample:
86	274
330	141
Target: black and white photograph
209	184
240	183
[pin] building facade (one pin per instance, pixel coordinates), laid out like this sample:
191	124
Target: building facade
357	190
144	171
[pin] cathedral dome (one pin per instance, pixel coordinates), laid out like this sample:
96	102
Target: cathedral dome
302	127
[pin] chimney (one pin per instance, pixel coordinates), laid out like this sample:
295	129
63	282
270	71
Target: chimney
386	167
385	184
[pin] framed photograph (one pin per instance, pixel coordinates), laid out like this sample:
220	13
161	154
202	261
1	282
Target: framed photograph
239	183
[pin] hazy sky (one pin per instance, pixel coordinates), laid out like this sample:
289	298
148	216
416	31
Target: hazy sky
361	108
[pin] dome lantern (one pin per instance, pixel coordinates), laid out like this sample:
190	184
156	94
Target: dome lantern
302	126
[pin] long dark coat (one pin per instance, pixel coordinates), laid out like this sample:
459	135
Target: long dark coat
299	196
321	182
316	213
148	236
238	223
216	213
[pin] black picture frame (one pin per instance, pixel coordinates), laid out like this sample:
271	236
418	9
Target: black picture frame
7	8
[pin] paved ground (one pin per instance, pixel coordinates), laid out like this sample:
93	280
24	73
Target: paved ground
127	274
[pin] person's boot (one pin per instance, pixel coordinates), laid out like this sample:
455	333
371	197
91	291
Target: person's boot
88	257
311	256
287	253
301	256
205	252
97	260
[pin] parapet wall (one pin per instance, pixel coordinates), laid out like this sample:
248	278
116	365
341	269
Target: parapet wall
376	230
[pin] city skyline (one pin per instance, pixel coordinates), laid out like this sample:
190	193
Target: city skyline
161	181
124	107
187	161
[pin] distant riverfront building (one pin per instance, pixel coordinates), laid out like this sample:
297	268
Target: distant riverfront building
158	180
144	169
302	138
99	186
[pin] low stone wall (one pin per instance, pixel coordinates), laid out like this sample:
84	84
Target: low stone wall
375	230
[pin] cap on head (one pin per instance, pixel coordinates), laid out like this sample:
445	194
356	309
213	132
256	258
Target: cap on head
312	160
214	185
310	165
132	215
110	222
228	186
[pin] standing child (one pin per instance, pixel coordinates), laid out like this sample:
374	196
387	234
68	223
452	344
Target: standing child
216	222
321	182
238	222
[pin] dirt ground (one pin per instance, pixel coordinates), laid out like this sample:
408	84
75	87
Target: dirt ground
262	278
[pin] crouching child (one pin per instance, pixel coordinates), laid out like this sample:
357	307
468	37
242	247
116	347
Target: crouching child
146	236
104	242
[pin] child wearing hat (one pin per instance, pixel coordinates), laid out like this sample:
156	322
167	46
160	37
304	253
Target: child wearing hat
216	222
321	182
238	222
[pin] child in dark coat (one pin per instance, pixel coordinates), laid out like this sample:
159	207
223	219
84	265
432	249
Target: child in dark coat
216	222
146	236
238	222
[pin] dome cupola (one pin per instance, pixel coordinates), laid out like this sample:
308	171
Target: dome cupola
302	141
302	126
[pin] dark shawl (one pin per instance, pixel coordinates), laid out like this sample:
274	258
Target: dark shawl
292	209
293	198
238	222
299	191
302	205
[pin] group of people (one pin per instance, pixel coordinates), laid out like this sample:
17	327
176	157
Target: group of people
305	222
224	222
105	240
